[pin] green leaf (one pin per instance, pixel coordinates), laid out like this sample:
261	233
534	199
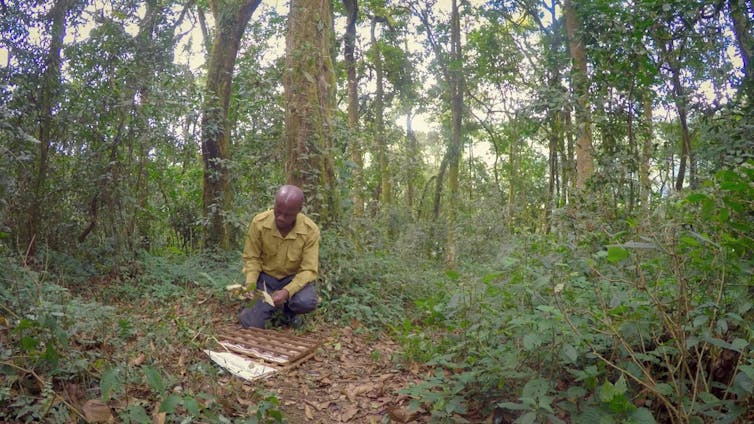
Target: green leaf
154	379
743	381
492	277
748	370
452	274
616	254
532	340
642	416
700	320
570	353
664	388
740	344
29	343
536	388
607	392
168	405
620	386
137	414
720	343
528	418
109	383
51	355
512	406
191	405
689	241
696	197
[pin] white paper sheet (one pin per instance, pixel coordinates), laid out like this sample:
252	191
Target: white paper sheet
239	365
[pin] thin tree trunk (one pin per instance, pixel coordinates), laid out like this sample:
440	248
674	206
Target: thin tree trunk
554	118
740	13
231	18
357	195
513	177
646	150
569	152
379	120
679	93
456	84
413	158
584	156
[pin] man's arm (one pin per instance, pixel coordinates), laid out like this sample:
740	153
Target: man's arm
252	255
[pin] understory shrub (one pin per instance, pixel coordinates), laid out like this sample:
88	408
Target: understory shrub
653	325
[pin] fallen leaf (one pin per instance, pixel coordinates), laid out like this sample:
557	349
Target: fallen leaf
349	392
365	388
159	418
348	413
308	412
245	402
318	405
137	360
401	414
96	411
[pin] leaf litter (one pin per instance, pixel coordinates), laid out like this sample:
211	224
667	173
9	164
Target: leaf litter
352	378
350	384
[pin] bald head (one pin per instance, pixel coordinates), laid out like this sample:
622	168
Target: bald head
288	202
290	194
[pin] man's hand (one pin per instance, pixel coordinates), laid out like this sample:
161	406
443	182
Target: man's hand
280	296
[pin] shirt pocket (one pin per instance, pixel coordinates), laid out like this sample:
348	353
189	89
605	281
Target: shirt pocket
295	251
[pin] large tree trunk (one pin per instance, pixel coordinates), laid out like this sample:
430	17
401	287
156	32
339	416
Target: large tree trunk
231	18
310	99
47	99
357	194
584	156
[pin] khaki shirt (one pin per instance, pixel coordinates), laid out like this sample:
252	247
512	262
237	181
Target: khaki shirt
265	250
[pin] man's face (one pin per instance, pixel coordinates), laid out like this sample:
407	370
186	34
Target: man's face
285	214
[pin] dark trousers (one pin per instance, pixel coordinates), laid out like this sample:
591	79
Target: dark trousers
305	300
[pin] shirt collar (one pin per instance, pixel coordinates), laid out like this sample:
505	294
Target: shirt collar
298	227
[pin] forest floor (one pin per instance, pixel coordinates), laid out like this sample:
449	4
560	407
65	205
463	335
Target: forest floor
354	377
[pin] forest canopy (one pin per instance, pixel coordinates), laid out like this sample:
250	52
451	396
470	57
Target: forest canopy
547	204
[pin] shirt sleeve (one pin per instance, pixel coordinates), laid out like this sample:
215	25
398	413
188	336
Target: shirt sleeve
309	264
252	254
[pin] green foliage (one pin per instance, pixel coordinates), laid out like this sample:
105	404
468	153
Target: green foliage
647	328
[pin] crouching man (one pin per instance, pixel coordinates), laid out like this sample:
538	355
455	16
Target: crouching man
281	256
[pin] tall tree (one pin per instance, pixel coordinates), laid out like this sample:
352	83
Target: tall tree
580	81
355	145
451	67
385	187
48	98
309	103
456	89
231	18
